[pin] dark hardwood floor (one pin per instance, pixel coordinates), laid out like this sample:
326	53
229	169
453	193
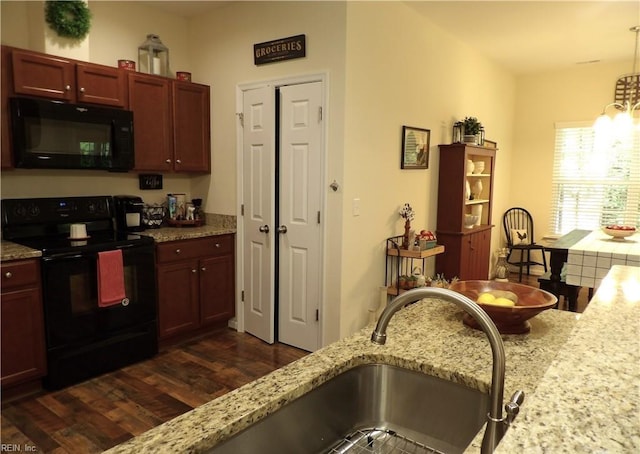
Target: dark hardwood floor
105	411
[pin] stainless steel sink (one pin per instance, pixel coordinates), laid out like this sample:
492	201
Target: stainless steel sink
375	409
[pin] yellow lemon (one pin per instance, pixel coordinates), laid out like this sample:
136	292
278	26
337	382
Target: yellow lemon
502	302
485	298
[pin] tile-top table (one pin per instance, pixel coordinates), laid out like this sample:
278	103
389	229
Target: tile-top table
591	258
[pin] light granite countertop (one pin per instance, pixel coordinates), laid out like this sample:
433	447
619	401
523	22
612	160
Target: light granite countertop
14	251
580	374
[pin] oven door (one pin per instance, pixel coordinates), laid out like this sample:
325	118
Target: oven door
70	296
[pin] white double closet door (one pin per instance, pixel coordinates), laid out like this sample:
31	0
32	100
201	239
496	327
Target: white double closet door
282	161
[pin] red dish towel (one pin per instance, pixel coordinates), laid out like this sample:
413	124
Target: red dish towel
110	278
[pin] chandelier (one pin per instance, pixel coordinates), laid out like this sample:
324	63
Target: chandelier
627	101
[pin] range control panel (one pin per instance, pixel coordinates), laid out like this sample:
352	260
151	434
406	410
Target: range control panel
56	210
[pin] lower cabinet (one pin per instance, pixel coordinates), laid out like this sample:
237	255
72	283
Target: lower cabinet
22	322
195	284
467	254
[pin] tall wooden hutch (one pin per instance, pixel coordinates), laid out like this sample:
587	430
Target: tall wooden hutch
468	250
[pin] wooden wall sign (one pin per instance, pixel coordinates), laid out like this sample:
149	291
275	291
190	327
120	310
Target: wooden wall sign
280	49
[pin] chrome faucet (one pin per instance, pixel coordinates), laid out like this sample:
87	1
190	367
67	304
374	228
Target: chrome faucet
496	423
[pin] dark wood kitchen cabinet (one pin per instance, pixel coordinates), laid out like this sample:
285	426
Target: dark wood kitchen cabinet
463	190
150	101
23	351
195	284
171	123
191	127
6	156
48	76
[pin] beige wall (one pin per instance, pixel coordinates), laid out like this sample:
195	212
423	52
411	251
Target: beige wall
415	74
578	94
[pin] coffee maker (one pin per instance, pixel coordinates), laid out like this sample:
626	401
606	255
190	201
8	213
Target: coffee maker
128	213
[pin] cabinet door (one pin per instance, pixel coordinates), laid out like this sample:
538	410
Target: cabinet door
178	306
6	156
150	101
41	75
192	141
97	84
217	289
474	257
23	354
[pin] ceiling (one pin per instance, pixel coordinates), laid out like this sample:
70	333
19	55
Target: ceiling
523	36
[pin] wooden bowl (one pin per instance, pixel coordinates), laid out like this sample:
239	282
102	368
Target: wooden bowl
508	320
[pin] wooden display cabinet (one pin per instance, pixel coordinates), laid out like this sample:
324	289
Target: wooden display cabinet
463	192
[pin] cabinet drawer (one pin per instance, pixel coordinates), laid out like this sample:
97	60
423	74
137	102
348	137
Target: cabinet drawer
174	251
19	274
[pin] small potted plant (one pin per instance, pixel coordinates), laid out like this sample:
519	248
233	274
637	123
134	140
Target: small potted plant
472	128
406	213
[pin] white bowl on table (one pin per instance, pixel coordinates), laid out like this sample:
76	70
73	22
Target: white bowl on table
619	232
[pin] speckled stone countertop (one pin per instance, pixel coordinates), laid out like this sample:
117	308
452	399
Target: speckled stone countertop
589	398
13	251
428	336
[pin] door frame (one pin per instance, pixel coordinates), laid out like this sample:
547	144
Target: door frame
322	77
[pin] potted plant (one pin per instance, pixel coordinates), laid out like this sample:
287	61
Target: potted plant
472	128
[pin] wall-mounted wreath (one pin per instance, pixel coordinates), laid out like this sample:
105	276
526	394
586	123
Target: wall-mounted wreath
69	19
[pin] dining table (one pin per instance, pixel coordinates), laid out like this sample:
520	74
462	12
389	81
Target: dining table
581	258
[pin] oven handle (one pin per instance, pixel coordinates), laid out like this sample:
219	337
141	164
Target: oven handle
62	257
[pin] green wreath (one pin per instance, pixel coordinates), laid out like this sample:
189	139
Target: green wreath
69	19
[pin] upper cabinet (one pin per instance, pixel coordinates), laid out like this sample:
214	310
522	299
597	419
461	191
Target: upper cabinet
466	186
171	124
191	127
171	118
36	74
150	101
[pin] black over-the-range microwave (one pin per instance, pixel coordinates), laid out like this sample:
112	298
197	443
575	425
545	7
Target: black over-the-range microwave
56	135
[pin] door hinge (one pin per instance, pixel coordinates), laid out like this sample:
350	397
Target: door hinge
318	217
320	113
317	315
242	210
242	296
241	118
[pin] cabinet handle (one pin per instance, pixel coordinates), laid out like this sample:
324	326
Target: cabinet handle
217	244
168	161
204	268
67	87
194	270
178	251
178	161
8	275
81	89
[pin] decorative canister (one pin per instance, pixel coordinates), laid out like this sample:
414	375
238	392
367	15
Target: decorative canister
127	64
183	76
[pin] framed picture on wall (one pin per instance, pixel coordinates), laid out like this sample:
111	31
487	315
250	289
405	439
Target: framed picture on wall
415	148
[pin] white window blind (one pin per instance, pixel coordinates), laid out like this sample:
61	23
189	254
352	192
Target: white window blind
594	183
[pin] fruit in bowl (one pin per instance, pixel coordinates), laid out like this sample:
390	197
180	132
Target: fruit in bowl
509	305
619	232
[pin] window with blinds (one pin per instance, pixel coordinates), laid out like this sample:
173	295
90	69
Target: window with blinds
596	182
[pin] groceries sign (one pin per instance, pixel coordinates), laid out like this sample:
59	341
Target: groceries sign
280	49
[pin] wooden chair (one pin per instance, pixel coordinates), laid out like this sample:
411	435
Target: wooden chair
518	228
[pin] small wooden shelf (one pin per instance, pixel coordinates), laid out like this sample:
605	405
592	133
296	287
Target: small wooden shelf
476	201
438	249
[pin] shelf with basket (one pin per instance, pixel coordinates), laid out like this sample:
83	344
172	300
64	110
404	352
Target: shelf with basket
403	262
